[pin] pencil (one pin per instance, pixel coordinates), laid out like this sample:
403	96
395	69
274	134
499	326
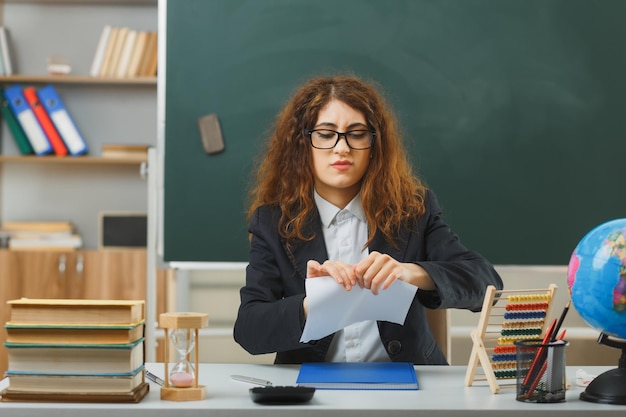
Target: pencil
544	366
555	332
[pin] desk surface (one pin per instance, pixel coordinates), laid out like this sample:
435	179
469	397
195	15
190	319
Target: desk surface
442	393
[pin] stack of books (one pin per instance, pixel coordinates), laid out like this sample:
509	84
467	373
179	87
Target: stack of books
40	235
39	122
75	350
122	52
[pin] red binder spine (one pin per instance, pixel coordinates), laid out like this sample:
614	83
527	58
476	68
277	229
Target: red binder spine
46	123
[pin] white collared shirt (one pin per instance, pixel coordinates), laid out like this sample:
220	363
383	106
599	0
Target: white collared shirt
345	235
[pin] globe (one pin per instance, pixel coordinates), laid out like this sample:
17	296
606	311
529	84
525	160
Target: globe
596	278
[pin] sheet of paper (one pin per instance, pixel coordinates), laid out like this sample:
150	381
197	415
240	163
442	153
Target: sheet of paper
332	308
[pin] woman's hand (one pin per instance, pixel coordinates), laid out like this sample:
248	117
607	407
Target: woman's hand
340	271
378	271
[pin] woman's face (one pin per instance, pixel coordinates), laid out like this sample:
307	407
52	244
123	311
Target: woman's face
338	171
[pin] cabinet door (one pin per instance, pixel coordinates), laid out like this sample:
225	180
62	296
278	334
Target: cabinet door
46	274
116	274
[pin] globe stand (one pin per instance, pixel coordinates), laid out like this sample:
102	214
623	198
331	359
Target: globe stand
610	386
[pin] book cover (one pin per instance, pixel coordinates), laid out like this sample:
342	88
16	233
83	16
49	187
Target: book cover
62	120
15	128
73	334
108	51
120	40
24	114
133	396
45	241
149	52
45	122
358	375
126	53
135	61
70	359
6	51
75	383
37	226
75	311
98	58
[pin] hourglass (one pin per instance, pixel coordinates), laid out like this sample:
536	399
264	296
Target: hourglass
181	331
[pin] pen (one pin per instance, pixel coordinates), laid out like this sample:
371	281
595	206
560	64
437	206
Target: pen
251	380
152	377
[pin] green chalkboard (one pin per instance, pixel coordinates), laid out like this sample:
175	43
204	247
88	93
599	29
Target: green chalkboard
514	110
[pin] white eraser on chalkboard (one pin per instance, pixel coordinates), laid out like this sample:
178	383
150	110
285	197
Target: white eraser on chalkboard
211	133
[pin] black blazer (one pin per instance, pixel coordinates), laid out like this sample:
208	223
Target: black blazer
271	316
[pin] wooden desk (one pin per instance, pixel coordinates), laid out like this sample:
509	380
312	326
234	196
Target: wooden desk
442	394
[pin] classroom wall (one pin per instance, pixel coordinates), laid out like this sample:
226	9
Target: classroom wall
217	293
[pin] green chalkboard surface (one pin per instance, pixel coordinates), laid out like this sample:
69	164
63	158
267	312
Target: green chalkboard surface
514	110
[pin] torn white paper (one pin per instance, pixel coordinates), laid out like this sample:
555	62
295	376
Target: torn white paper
331	307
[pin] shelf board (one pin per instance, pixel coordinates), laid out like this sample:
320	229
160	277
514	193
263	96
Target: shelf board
93	160
76	79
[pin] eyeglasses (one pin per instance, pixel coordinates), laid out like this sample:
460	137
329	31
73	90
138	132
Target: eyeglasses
328	139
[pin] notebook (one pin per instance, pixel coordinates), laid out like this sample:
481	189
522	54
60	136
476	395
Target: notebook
358	375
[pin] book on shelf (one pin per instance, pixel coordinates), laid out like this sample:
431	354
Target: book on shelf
116	53
25	115
108	51
75	311
101	47
5	51
147	67
135	60
45	241
133	396
93	384
19	136
139	152
73	359
62	120
38	226
126	54
74	334
58	146
358	375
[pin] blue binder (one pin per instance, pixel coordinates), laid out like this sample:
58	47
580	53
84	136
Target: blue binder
358	375
62	120
27	119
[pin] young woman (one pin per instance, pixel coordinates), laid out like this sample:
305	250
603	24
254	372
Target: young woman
335	196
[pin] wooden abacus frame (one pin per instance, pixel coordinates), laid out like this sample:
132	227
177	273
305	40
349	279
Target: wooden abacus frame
490	332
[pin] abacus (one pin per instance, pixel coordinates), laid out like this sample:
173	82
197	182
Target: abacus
506	316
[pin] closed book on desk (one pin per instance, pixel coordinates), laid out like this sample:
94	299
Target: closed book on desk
15	128
25	115
358	375
58	146
79	334
75	311
134	396
62	120
69	359
75	383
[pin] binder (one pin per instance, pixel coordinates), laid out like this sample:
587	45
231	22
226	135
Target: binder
14	126
44	120
358	375
62	120
4	50
24	114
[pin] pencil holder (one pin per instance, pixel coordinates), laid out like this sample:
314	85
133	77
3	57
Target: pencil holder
540	371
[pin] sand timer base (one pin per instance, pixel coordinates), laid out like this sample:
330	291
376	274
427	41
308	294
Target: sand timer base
183	394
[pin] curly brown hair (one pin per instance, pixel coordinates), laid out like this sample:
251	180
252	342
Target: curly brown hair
284	175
